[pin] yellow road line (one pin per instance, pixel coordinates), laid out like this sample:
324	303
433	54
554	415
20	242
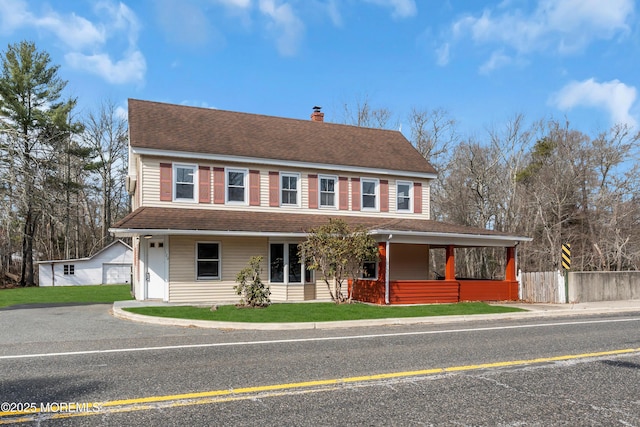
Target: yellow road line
273	390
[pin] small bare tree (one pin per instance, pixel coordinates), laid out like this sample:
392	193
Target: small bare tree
338	252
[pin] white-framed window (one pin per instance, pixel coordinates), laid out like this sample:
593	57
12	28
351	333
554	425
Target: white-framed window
369	194
184	182
369	270
69	269
327	190
286	266
404	199
236	191
289	189
208	260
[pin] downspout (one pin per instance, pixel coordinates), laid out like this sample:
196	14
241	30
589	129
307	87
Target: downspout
386	271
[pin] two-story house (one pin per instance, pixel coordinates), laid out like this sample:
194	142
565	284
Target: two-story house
212	188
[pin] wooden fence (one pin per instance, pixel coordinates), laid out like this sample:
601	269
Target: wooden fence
547	286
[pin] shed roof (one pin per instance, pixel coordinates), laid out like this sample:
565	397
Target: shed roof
114	243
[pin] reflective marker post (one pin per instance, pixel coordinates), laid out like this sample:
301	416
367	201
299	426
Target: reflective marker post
566	266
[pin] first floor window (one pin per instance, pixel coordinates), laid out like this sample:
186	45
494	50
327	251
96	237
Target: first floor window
184	182
285	265
369	270
69	269
327	191
369	194
403	196
236	185
208	260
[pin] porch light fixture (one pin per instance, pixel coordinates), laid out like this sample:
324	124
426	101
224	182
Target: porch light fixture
147	236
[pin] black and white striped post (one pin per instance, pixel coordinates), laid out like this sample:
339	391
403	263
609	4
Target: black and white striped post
566	266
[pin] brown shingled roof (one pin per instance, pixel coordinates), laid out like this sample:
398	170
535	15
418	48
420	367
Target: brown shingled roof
179	219
162	126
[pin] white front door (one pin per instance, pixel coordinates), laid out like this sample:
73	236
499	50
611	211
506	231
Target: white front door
155	275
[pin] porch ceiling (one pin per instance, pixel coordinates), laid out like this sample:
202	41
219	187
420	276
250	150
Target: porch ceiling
180	221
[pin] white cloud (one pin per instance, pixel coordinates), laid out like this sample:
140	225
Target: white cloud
401	8
122	112
74	31
614	97
131	68
86	40
443	54
562	26
498	59
284	22
239	4
334	13
13	15
183	22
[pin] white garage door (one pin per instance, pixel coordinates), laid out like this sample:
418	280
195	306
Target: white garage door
116	273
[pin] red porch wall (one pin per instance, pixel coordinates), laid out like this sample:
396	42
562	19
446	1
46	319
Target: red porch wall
423	291
488	290
371	291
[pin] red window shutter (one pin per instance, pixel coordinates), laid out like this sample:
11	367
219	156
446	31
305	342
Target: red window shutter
355	194
204	181
218	185
274	189
343	188
313	191
384	195
417	197
166	182
254	188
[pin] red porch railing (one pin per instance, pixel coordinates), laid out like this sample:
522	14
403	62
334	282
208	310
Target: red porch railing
435	291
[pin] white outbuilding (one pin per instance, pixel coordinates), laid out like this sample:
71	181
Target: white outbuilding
109	266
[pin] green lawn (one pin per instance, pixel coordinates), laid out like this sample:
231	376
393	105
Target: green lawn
318	312
64	294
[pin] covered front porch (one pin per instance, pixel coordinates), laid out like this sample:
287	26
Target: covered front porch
404	277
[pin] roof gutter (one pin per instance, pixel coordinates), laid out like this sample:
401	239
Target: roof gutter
457	236
276	162
129	232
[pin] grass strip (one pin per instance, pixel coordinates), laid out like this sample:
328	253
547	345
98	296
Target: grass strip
65	294
317	312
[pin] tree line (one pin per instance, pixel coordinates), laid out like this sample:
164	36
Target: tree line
62	176
541	179
62	173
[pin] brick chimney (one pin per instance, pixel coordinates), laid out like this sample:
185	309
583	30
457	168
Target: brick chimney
317	115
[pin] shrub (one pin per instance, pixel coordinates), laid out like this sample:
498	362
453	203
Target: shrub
253	292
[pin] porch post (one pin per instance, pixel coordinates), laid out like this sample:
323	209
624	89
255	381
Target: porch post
510	272
386	272
450	268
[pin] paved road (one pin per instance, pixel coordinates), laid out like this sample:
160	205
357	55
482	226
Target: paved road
480	373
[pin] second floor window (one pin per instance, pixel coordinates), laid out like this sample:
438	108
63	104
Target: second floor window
236	185
184	182
403	198
369	194
289	189
327	191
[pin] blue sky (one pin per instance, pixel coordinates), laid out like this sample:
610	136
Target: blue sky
482	61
